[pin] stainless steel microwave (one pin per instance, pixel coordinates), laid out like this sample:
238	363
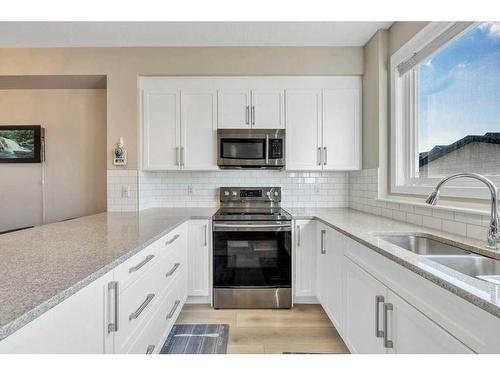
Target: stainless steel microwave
251	148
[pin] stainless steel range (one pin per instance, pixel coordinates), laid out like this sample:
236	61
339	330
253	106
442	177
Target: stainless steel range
252	250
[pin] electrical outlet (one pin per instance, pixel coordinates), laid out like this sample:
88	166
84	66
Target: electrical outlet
190	190
125	191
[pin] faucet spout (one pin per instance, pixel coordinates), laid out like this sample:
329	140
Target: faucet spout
493	237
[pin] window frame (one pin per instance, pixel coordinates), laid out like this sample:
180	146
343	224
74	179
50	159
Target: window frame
404	126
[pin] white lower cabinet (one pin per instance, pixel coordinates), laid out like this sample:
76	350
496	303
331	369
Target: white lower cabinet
363	297
75	326
377	320
411	332
305	260
199	233
131	309
329	272
369	315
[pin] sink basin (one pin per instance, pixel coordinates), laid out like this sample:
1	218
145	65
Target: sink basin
473	266
423	245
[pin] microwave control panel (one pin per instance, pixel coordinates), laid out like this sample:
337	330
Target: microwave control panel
275	148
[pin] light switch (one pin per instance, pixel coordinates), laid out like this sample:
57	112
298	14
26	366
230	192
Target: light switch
125	191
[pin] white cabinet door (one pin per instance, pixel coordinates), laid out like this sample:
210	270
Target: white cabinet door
361	309
305	258
334	248
233	109
161	130
75	326
411	332
199	258
322	268
341	129
303	127
267	111
199	127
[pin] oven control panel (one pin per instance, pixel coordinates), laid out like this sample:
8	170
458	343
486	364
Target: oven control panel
252	194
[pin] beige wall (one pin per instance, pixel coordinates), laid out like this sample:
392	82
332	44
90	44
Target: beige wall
401	32
374	96
376	111
123	65
75	123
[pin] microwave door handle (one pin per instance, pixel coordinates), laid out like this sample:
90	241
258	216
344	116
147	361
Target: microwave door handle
267	149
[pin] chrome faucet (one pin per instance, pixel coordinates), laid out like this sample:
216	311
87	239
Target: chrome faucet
493	237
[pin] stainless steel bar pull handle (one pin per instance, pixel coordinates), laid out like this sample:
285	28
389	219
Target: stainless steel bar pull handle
298	235
113	327
140	265
325	156
253	115
267	149
323	234
150	349
319	156
378	301
172	240
247	115
387	343
172	311
177	156
141	308
206	235
174	268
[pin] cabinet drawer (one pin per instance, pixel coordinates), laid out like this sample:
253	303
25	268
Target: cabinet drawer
171	266
155	331
135	307
174	240
135	267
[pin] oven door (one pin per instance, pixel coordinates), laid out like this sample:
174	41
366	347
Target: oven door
252	254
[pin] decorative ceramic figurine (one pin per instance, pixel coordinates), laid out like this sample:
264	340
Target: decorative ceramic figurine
120	153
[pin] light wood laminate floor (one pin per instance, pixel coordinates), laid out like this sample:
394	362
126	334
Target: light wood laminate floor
303	329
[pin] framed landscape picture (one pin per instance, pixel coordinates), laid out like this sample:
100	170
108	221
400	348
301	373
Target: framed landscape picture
20	143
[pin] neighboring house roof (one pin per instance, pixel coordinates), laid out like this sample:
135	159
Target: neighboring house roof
441	150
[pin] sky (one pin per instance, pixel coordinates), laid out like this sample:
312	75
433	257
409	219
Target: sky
459	89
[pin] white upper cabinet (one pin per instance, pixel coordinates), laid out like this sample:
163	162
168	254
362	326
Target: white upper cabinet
303	129
341	129
321	115
242	109
234	109
161	129
323	127
267	110
198	130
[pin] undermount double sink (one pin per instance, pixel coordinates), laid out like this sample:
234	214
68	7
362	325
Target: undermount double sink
451	256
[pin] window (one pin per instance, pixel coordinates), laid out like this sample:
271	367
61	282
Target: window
446	108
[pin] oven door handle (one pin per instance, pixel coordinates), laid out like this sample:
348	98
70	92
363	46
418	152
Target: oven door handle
253	226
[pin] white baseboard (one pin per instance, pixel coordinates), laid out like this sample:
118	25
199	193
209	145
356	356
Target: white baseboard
307	300
193	300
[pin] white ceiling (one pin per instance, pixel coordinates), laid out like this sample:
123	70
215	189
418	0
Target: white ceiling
180	34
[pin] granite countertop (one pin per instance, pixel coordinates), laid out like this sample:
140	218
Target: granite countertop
42	266
364	227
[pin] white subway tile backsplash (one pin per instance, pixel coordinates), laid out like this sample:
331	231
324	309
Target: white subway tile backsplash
454	227
117	181
363	190
358	190
432	222
185	189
